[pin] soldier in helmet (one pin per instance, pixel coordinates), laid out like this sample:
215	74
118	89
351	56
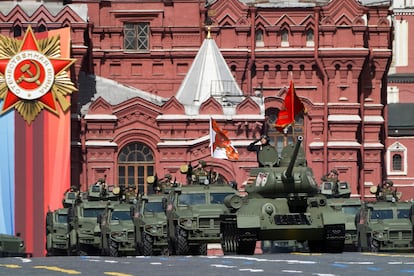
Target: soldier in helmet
386	189
200	174
264	142
166	182
332	176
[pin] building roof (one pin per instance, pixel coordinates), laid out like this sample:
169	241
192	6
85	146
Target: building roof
114	93
301	3
208	76
54	7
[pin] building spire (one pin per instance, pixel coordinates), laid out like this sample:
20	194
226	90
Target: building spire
208	32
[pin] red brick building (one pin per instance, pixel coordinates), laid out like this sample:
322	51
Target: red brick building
336	52
149	81
400	137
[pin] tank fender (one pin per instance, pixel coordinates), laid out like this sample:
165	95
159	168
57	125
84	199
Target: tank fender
330	218
248	221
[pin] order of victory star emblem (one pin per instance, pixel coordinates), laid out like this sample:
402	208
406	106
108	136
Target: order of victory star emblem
33	75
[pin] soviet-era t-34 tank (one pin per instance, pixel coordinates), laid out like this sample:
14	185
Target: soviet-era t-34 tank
282	203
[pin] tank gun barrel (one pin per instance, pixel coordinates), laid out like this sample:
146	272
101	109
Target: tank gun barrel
288	173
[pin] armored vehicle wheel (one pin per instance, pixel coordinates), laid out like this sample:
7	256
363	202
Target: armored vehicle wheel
182	242
373	244
147	242
80	250
113	249
200	249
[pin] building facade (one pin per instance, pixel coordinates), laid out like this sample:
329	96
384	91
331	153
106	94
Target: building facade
131	118
400	137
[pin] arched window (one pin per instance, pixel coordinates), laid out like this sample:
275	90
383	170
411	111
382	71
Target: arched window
309	38
285	37
397	162
17	31
259	38
135	164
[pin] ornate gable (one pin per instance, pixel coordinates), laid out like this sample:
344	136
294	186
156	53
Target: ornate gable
211	106
100	106
342	13
173	106
248	106
230	9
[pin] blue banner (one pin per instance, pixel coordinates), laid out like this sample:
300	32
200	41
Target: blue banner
7	173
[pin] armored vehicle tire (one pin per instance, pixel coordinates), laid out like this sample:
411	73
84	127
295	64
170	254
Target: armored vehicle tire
182	242
199	249
373	245
147	244
113	249
80	250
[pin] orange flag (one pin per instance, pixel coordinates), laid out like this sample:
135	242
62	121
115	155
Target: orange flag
221	146
293	106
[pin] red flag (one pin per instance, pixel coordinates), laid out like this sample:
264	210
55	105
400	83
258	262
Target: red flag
293	106
220	144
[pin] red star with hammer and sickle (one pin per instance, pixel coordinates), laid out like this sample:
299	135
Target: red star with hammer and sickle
30	43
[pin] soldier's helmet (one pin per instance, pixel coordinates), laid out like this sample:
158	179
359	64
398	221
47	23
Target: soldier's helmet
168	176
335	172
390	183
264	136
202	163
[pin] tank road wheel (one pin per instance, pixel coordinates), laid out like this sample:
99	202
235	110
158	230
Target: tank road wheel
147	242
229	241
113	249
182	242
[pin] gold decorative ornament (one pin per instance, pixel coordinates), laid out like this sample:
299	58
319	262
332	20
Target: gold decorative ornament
33	76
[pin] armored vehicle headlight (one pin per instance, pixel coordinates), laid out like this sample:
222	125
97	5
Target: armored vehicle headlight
378	235
21	244
152	228
118	235
187	222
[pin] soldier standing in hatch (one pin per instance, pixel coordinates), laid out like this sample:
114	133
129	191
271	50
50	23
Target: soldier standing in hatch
332	176
199	172
264	142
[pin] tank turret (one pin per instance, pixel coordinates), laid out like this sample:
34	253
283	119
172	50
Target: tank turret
292	177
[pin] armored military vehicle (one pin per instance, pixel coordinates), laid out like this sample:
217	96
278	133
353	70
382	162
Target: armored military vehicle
339	199
385	226
117	230
193	217
150	225
57	232
282	203
12	246
83	227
